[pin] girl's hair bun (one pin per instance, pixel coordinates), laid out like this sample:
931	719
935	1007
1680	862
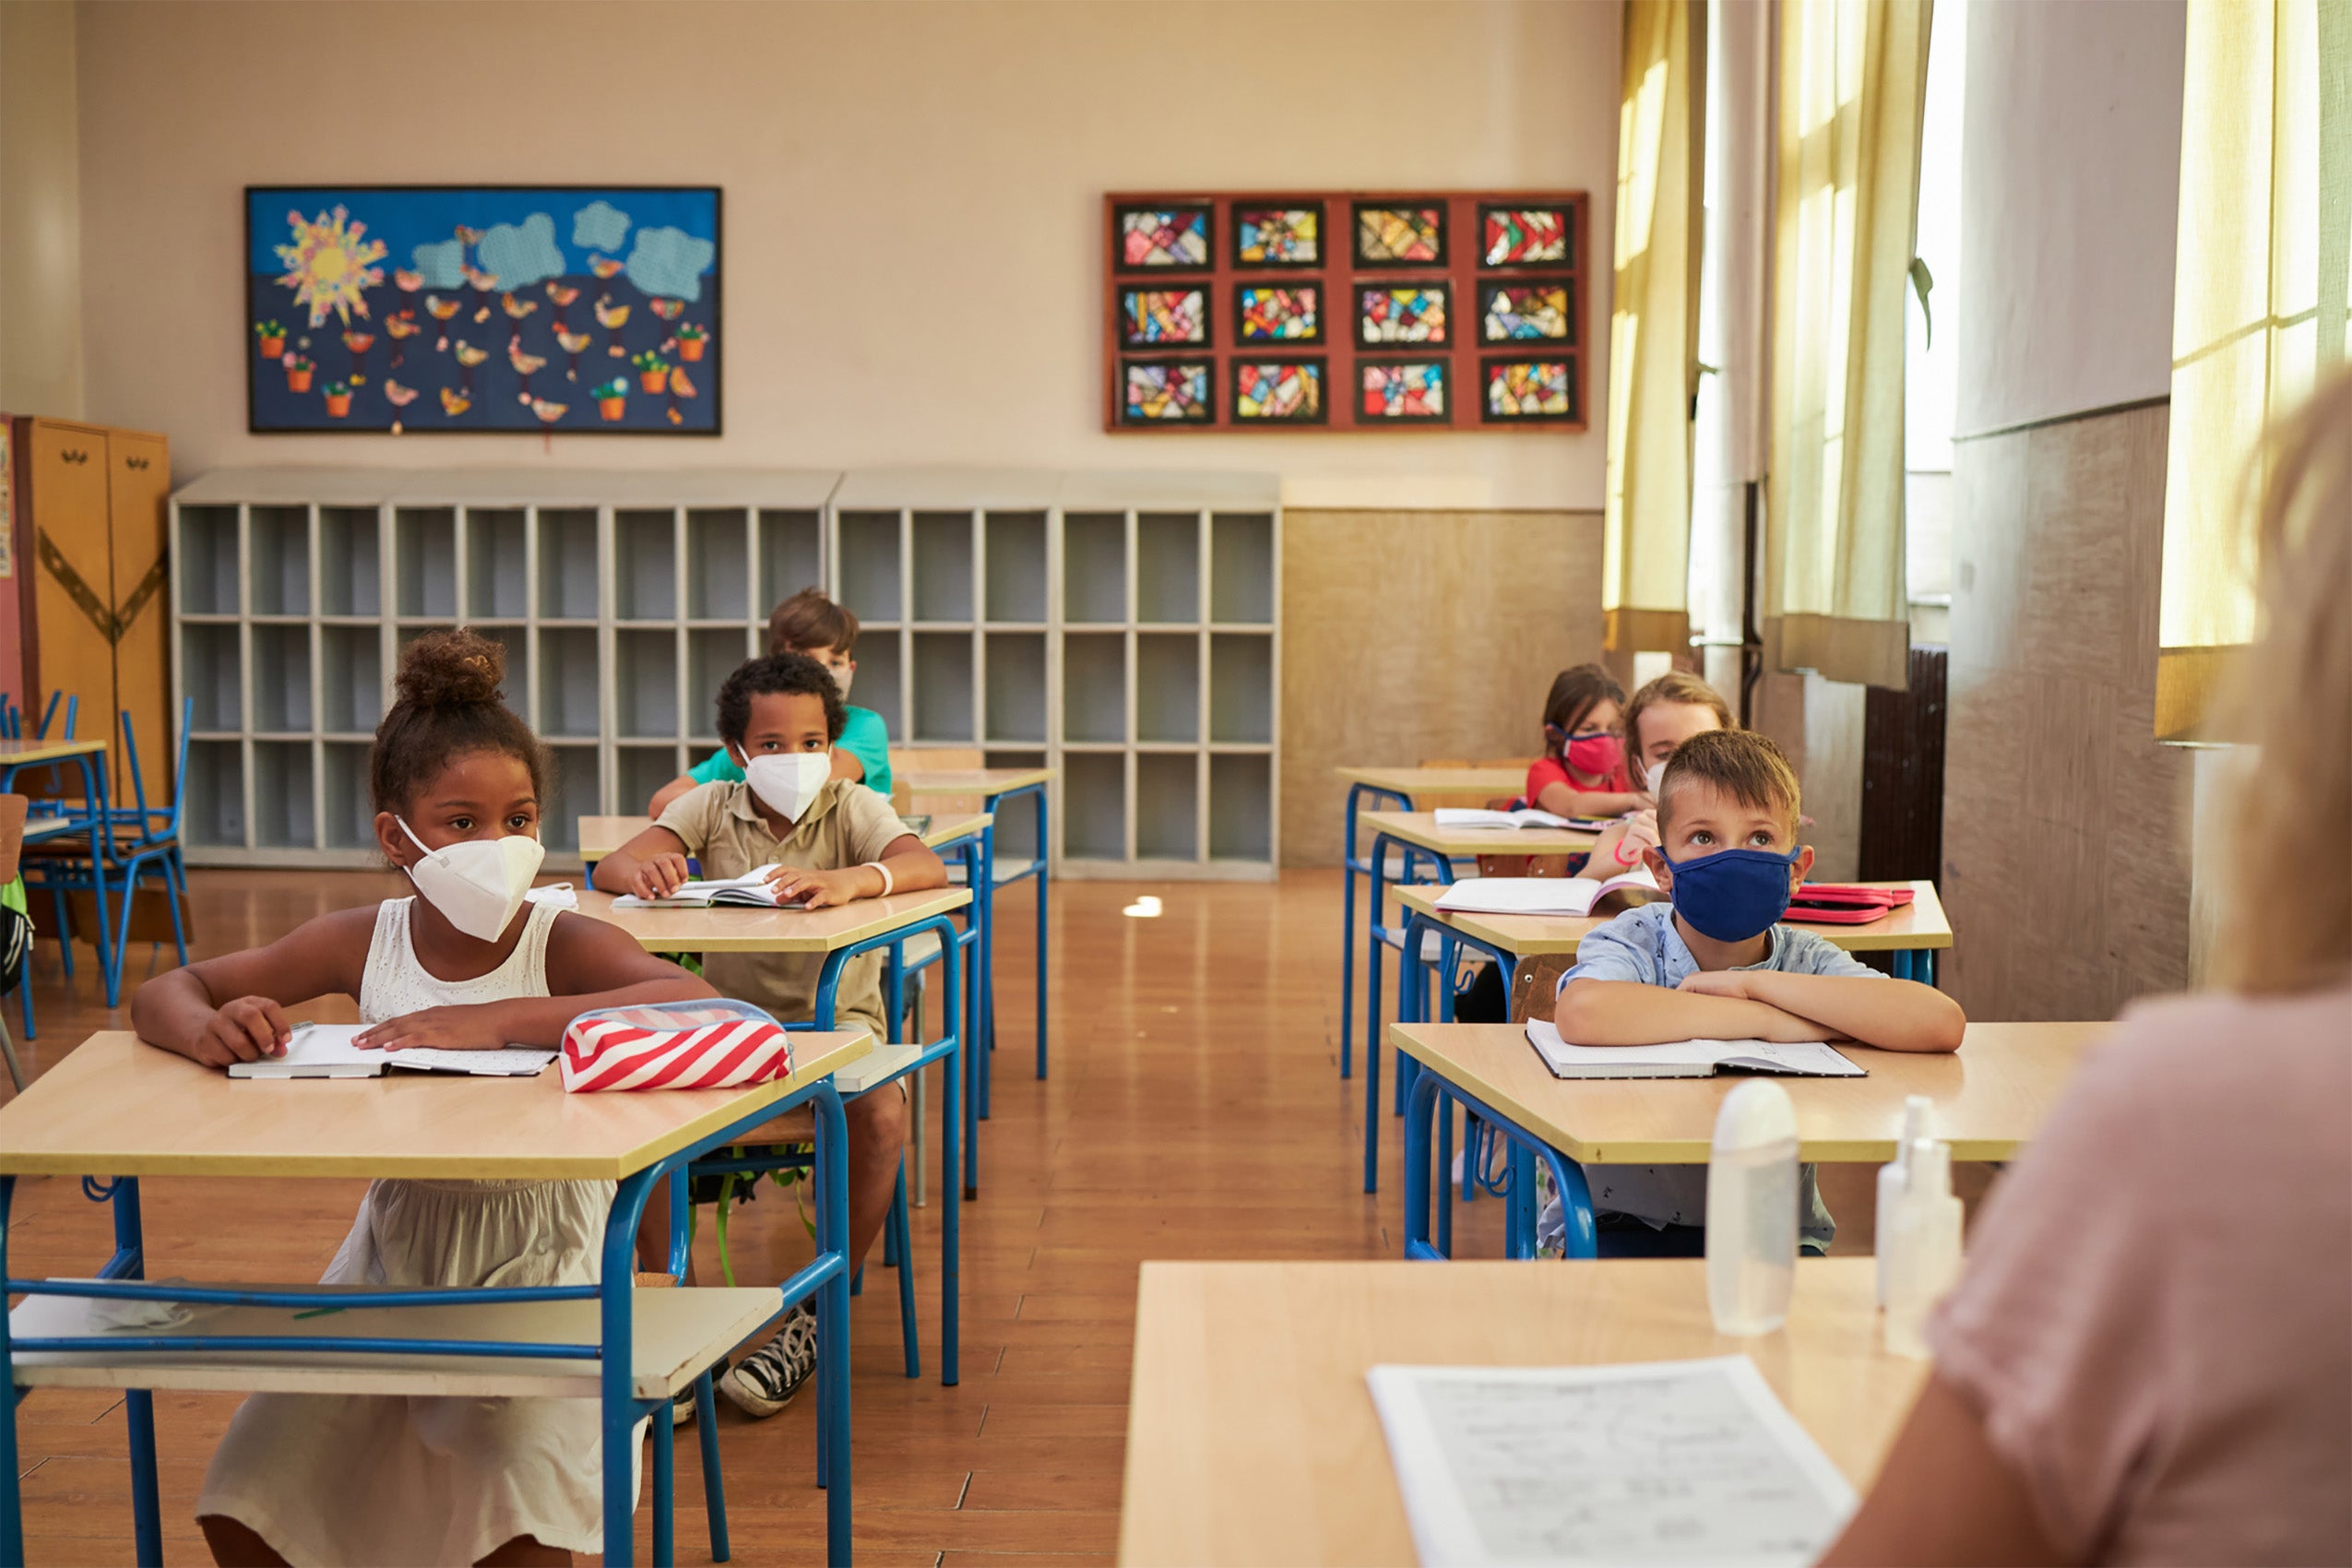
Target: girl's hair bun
451	670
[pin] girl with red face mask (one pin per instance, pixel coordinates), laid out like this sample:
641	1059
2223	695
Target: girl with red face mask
1582	771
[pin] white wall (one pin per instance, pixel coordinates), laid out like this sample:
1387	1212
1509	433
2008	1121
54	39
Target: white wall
2070	176
883	165
40	321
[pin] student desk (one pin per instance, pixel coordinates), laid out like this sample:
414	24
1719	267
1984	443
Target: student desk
994	786
1426	844
600	836
114	1110
1990	1097
1252	1436
839	934
1399	786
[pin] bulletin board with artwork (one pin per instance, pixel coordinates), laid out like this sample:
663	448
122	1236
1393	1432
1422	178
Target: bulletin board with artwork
1344	310
455	308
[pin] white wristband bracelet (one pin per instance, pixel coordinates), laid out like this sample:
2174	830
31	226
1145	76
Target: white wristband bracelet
889	882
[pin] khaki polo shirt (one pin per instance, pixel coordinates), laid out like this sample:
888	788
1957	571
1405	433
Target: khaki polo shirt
847	825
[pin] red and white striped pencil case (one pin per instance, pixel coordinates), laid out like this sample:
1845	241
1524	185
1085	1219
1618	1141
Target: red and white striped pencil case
674	1045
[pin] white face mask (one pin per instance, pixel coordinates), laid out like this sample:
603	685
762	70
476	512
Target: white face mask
786	782
841	679
478	884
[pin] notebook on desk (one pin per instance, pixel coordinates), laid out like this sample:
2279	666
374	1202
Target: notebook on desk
324	1051
750	888
1547	895
1687	1059
1526	816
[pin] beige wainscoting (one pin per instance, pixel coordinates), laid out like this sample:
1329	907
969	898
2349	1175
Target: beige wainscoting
1413	635
2066	827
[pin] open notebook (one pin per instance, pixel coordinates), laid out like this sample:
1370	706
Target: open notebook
1466	816
324	1051
1547	895
750	888
1686	1059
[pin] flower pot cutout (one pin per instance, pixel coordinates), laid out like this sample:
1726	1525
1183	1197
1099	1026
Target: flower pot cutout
338	404
272	347
298	380
690	348
654	380
612	408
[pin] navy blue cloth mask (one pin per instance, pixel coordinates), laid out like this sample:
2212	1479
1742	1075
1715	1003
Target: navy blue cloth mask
1732	895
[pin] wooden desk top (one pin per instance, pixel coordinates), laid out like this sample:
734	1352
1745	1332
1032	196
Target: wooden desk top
1484	783
1992	1097
1919	923
742	929
1421	829
1252	1437
967	780
17	753
115	1107
600	836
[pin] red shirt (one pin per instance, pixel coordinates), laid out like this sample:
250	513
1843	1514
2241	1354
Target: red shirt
1548	770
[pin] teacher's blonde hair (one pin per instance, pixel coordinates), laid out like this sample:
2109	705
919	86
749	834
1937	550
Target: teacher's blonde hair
2286	922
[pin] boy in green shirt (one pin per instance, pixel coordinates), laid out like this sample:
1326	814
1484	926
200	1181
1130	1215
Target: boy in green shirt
810	624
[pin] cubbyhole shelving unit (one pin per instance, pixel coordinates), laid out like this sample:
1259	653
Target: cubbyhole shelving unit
1120	628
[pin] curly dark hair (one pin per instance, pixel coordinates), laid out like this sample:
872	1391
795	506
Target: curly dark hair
769	675
448	705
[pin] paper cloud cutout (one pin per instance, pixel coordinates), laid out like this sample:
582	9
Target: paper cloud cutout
522	255
670	262
441	264
600	226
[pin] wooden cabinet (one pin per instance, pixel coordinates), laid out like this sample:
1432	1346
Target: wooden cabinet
89	542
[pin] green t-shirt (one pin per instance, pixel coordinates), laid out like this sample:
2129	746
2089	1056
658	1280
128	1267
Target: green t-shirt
863	736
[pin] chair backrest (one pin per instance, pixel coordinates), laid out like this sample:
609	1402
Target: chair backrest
179	777
12	835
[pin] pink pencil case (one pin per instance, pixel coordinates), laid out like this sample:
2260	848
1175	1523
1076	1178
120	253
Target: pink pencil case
674	1045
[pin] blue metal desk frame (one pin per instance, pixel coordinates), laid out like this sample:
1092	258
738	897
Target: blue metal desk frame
826	1276
1409	967
985	893
96	818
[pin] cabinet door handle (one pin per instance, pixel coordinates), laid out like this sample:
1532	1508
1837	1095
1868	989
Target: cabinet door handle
135	463
74	456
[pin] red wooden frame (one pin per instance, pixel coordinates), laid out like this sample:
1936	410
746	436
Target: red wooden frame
1337	275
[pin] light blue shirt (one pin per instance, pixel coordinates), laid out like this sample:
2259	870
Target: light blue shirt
1642	946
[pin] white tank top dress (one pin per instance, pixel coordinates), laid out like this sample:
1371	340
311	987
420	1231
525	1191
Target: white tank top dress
371	1479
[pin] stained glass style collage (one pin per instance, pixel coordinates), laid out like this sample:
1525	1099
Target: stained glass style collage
1344	311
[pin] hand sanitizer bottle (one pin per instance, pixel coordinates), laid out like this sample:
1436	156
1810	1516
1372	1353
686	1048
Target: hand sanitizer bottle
1920	1251
1751	1210
1918	1121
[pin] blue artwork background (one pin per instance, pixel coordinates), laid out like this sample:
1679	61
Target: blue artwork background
664	240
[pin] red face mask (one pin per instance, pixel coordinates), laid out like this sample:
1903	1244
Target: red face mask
1596	756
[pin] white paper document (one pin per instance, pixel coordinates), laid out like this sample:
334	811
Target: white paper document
749	888
1469	816
1688	1058
1544	895
1661	1462
324	1051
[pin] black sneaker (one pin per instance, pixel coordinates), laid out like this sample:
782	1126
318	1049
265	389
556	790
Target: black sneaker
682	1404
764	1382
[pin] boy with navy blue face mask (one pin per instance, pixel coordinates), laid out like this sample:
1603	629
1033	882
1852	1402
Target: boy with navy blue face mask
1716	964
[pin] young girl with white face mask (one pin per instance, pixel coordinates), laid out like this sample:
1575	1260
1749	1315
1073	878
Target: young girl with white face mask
464	964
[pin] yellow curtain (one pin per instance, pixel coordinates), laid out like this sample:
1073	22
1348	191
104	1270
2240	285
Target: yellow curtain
1853	86
1654	331
2259	304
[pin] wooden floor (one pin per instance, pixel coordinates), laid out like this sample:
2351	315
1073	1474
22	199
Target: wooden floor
1196	1110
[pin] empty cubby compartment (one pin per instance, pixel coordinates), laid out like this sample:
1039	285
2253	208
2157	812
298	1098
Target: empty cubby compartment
568	686
1240	687
517	686
567	563
1094	805
1017	690
943	567
640	771
281	803
1241	588
1168	686
645	683
424	559
1168	567
792	556
712	655
944	687
1016	819
350	679
877	685
1015	548
644	565
279	560
351	579
1240	807
1094	568
214	809
280	679
1094	686
719	564
497	565
212	675
1166	806
350	821
575	790
209	561
869	564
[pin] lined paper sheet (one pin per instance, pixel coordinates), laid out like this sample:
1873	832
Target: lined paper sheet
324	1051
1657	1462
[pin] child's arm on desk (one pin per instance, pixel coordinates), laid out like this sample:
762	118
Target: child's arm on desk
1562	800
914	868
589	965
1599	1012
652	865
1893	1014
231	1008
